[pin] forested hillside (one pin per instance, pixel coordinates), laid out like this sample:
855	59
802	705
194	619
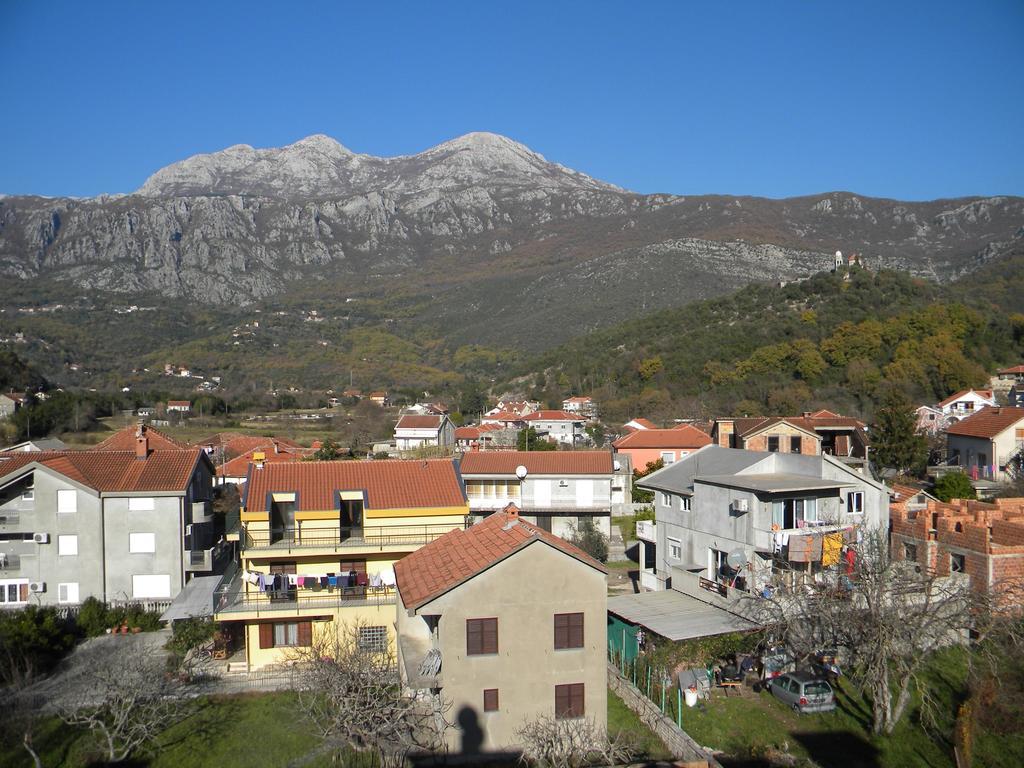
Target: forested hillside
824	341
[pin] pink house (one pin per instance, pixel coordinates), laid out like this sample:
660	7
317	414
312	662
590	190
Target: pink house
646	445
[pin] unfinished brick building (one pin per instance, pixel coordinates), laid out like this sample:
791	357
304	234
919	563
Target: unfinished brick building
984	541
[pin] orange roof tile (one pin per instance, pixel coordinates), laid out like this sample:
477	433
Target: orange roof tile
537	462
239	466
458	556
413	421
124	440
116	471
988	422
684	436
552	416
392	484
1013	369
641	423
985	393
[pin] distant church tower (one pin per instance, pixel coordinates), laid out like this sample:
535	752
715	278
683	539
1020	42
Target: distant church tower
839	263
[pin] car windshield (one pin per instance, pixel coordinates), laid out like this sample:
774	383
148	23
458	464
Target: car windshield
817	686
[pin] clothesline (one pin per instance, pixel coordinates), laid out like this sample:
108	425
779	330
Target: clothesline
269	582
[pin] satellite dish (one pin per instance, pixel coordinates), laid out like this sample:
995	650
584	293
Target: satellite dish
521	472
616	465
736	559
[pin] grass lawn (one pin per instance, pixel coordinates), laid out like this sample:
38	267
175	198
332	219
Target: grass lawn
758	726
622	719
259	729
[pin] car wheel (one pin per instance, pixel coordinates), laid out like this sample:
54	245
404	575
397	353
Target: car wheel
796	708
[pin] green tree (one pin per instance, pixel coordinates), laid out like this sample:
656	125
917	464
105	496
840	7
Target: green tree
895	442
954	485
587	537
640	496
528	440
328	451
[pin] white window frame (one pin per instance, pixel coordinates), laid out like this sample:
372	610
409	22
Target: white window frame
286	634
666	499
29	494
141	543
67	501
151	586
675	549
668	457
684	503
5	589
67	592
855	503
67	545
141	504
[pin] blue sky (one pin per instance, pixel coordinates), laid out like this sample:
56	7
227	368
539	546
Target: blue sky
906	100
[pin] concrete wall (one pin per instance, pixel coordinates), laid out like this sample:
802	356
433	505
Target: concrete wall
523	592
165	521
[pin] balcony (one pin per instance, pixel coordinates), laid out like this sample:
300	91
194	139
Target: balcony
232	599
647	530
9	562
201	512
287	540
198	559
10	517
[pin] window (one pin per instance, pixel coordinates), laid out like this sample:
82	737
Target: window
668	456
151	586
684	503
373	639
855	502
666	499
490	699
481	636
718	564
568	630
67	593
569	701
910	552
141	504
13	592
141	542
957	563
285	634
675	549
773	443
67	502
794	444
793	513
67	545
29	494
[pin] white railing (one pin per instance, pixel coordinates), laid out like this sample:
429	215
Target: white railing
649	580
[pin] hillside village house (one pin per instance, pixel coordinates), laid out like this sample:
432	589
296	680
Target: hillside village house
11	402
553	490
984	542
503	419
508	623
644	446
988	443
930	420
126	438
557	426
966	402
237	469
812	433
318	545
37	444
414	431
485	437
381	398
583	406
517	407
787	515
639	423
116	525
179	406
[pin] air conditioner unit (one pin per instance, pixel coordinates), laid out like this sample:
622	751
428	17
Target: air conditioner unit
741	505
41	538
37	586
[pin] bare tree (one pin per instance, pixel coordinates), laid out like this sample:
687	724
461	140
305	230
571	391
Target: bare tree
350	689
571	743
123	694
885	615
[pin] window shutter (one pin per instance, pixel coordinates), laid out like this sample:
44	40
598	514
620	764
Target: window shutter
305	633
490	700
473	635
266	635
22	592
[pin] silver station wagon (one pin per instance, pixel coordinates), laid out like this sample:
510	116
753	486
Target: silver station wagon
803	692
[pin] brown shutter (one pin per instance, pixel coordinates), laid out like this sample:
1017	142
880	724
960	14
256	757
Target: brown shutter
568	630
561	701
490	636
473	637
305	633
490	700
561	634
575	630
285	568
576	706
266	635
359	566
23	592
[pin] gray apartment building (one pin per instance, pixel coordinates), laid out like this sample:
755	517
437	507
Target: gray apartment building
788	518
121	526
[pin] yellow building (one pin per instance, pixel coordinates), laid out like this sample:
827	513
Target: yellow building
318	545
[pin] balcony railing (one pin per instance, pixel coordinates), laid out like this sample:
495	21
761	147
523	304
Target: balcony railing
198	559
646	530
288	539
233	599
9	516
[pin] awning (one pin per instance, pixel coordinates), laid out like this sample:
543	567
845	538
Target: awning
194	601
676	616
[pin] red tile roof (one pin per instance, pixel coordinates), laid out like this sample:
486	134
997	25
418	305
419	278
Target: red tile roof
391	484
237	443
537	462
577	400
988	422
505	416
474	431
116	471
684	436
124	440
412	421
552	416
985	393
641	423
239	466
1014	369
180	402
458	556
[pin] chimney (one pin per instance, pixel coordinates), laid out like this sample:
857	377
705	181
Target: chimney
141	442
511	510
724	428
807	414
258	458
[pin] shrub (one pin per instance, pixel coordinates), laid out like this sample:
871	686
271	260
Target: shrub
92	617
587	537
